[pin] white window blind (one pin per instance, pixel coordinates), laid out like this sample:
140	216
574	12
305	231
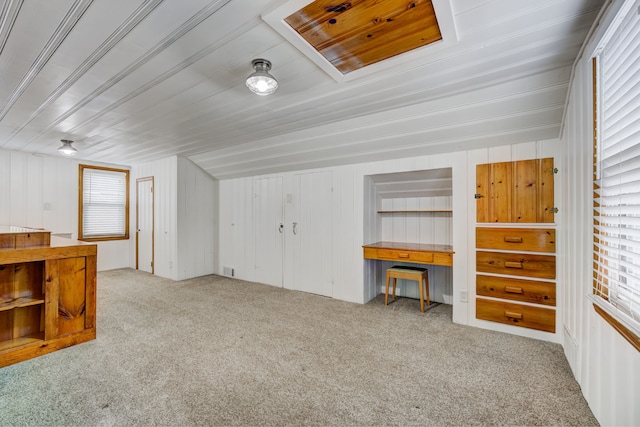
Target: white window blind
617	169
104	203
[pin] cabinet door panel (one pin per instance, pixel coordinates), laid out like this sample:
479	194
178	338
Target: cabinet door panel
483	179
312	240
72	297
500	194
517	192
545	191
269	214
51	296
525	191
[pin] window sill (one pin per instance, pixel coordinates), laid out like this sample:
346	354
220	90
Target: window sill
627	333
103	239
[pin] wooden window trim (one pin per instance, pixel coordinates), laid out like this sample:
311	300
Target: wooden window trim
81	210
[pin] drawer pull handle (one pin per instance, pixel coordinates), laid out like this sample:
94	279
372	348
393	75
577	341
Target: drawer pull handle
401	255
513	315
510	264
513	290
513	239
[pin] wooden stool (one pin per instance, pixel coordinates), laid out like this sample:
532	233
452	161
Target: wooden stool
409	273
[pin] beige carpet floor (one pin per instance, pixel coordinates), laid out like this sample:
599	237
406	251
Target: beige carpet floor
218	351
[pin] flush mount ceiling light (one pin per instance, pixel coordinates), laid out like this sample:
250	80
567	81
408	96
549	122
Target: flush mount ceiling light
66	148
261	82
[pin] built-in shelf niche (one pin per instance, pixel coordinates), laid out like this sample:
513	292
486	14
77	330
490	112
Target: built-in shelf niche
411	207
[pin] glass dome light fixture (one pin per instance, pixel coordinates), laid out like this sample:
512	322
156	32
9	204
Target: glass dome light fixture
261	82
66	148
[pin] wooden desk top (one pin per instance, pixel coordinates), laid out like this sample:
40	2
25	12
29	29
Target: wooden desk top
423	247
420	253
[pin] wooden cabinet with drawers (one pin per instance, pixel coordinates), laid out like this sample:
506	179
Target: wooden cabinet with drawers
516	264
500	297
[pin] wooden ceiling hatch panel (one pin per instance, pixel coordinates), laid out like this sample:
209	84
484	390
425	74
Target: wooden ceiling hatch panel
357	33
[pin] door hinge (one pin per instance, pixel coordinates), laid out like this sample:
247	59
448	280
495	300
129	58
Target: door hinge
553	170
477	196
151	263
553	210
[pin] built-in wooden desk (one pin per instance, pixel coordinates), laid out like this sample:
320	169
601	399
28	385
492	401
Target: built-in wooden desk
419	253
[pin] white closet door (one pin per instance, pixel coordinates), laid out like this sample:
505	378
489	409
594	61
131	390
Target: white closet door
269	230
144	223
312	233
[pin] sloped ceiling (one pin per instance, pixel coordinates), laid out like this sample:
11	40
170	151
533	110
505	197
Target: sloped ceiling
133	81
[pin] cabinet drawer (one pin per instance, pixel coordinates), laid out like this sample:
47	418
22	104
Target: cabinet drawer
28	240
517	239
517	264
516	289
7	241
398	255
540	318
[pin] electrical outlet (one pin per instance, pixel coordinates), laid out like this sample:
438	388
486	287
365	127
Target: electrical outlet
463	296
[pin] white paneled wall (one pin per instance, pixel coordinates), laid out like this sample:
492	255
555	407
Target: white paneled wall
237	244
605	364
425	227
347	228
42	191
165	183
414	227
185	218
197	212
355	222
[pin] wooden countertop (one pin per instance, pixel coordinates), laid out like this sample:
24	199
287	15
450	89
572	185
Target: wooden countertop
428	247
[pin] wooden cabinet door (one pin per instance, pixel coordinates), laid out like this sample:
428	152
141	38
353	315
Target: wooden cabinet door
70	296
515	192
525	191
546	205
494	185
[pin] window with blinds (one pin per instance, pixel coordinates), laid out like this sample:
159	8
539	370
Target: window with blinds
617	174
104	203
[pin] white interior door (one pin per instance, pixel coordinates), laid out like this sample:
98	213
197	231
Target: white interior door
269	230
144	224
312	233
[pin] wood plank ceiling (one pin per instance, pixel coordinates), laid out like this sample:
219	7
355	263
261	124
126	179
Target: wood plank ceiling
139	80
347	36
